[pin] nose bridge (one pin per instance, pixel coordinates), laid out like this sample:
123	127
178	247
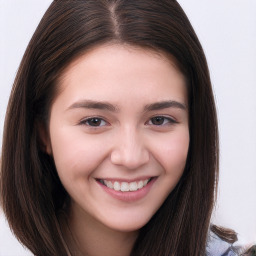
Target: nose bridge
130	149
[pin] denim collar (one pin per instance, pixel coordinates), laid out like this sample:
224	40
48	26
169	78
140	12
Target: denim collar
218	247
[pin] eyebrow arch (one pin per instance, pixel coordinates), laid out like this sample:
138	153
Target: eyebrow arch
90	104
165	104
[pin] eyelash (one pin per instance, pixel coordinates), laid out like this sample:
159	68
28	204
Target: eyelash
87	120
166	121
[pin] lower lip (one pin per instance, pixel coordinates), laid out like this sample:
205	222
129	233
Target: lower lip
129	196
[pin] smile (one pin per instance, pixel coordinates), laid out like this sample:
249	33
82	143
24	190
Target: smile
125	186
127	191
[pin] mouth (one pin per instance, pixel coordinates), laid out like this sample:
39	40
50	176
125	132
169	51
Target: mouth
125	186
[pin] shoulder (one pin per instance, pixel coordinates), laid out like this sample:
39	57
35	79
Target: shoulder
223	242
219	247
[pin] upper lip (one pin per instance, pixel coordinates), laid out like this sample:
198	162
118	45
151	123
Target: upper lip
126	180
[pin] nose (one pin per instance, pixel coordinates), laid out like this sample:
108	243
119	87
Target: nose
130	150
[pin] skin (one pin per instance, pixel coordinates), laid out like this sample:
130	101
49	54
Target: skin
128	142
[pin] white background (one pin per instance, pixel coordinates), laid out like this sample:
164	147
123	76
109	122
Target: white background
227	31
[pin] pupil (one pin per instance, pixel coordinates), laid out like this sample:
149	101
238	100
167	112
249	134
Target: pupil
95	121
158	120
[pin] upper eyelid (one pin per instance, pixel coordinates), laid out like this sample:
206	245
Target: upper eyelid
170	119
174	120
91	117
85	119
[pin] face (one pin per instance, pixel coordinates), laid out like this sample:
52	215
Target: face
118	133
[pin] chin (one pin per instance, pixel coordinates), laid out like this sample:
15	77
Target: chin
128	225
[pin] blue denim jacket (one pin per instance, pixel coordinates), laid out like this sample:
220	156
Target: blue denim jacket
217	247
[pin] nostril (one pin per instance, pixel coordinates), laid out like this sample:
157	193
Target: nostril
129	160
130	151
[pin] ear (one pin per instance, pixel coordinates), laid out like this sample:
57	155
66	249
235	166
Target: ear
44	138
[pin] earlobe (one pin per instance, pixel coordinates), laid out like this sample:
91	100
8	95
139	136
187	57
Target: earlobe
44	141
48	148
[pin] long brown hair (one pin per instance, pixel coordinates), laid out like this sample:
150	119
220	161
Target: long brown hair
31	192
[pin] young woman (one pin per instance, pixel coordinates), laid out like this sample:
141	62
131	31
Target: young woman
111	140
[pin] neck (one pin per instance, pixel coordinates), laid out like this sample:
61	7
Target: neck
87	237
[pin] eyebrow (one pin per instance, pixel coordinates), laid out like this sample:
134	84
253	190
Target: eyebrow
91	104
165	104
102	105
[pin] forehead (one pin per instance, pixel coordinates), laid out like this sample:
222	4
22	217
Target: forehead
125	52
123	69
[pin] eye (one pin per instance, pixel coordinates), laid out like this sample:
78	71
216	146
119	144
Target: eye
94	122
161	120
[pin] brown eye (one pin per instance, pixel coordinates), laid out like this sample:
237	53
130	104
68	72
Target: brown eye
158	120
94	121
161	120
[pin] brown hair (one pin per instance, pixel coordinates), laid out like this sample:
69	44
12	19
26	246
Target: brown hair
226	234
31	192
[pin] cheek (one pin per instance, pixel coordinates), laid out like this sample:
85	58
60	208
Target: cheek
172	152
75	154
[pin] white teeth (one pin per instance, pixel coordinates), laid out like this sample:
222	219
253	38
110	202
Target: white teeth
133	186
140	184
117	186
125	186
108	184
